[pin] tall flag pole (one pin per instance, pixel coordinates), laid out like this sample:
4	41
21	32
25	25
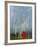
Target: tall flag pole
20	26
28	26
24	27
24	23
15	23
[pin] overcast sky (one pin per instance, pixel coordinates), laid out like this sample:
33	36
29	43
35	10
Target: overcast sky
18	12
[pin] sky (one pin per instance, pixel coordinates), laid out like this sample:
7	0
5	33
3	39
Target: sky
20	15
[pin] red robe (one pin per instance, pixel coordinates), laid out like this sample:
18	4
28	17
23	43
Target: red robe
23	35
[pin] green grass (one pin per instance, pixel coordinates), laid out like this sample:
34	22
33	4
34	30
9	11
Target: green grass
14	37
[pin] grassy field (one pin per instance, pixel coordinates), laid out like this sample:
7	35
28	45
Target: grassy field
15	37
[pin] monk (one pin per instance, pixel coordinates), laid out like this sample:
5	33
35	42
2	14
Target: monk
23	35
